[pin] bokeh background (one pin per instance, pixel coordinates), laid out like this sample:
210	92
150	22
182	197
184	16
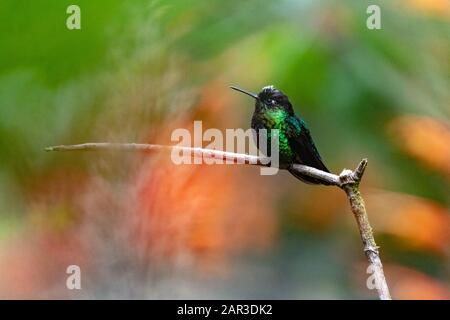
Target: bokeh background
141	227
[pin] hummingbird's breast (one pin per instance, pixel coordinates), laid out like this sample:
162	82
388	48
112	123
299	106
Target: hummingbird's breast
275	119
269	119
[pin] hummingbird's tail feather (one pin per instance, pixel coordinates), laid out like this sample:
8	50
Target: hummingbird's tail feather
308	179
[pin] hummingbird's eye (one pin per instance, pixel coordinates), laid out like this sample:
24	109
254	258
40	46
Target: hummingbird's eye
272	101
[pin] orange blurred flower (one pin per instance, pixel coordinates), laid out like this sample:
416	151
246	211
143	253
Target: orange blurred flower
434	7
415	222
409	284
199	212
424	138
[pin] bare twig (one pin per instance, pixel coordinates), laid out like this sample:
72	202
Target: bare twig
195	152
348	181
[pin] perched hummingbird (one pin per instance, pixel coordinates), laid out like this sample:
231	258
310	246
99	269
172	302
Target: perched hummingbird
274	111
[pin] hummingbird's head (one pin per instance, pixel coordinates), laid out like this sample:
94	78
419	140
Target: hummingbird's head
269	98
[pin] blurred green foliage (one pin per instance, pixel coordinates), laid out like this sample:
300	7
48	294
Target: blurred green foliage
61	86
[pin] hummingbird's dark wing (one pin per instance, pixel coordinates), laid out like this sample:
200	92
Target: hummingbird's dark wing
305	151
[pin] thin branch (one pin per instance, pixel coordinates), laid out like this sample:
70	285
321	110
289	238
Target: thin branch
348	181
196	152
328	177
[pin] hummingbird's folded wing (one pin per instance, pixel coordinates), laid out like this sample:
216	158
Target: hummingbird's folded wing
303	145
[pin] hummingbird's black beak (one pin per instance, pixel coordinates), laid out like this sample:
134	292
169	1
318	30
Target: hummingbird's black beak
246	92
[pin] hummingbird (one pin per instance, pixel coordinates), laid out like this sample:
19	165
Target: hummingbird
273	110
